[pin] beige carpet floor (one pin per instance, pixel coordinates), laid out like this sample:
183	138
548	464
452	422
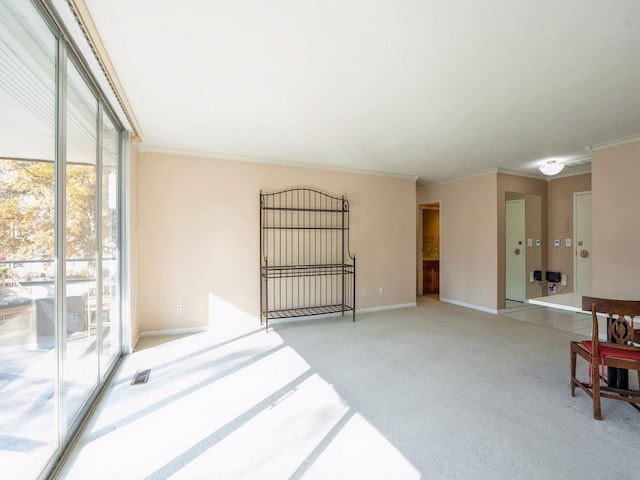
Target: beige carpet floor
433	392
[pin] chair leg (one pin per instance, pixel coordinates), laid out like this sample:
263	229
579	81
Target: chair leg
573	372
595	391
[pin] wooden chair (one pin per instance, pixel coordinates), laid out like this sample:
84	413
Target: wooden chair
618	352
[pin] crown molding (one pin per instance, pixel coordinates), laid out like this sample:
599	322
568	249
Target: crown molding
269	161
491	171
614	143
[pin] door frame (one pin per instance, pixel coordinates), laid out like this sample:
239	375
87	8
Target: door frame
419	235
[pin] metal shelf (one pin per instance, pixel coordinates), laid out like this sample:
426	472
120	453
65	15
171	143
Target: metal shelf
307	270
308	311
305	265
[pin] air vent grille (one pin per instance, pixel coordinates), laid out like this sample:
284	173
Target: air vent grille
141	376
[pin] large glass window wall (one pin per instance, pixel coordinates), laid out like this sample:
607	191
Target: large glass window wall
60	168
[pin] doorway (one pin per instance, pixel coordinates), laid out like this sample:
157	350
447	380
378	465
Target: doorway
429	274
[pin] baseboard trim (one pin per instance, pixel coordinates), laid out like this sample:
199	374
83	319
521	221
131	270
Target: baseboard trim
132	348
469	305
275	321
387	307
172	331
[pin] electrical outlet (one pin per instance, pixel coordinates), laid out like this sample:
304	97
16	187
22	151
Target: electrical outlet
567	242
380	291
530	277
563	280
485	291
178	309
556	242
364	293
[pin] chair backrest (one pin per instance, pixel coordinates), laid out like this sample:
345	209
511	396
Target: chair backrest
92	290
620	314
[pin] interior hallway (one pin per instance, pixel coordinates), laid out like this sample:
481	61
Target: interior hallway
438	392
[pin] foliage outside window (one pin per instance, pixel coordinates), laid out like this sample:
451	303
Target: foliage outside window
27	209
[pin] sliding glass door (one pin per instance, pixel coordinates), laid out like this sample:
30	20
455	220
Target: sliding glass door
110	345
28	355
80	361
60	172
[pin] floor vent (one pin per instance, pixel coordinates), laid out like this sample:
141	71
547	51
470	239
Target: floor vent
141	376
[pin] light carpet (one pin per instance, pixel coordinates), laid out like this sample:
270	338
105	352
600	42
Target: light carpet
433	392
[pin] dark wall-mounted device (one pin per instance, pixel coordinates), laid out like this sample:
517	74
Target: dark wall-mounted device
537	275
553	277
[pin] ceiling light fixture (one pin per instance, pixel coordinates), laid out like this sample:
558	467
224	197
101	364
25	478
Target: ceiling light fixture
551	167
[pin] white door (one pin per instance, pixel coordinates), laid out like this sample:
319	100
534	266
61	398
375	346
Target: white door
515	261
582	241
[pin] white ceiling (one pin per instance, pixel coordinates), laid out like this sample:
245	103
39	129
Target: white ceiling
430	88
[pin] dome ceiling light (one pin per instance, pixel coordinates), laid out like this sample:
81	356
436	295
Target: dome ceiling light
551	168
